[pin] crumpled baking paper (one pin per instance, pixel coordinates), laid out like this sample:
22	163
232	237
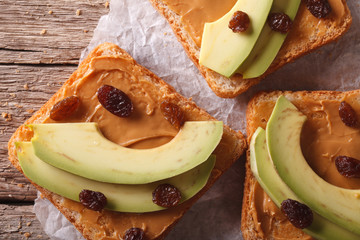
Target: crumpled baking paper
136	27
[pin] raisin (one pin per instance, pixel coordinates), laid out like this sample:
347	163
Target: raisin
64	108
115	101
166	195
239	22
347	114
93	200
134	234
172	113
279	22
298	214
348	166
318	8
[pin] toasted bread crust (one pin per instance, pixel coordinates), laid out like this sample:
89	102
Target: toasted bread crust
257	118
293	47
231	147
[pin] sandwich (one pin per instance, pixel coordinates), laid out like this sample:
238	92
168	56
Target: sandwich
232	62
119	152
302	166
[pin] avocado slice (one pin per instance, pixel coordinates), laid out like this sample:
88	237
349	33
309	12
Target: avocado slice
81	149
339	205
120	197
265	173
224	51
269	42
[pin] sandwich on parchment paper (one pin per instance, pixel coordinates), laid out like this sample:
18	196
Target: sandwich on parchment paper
317	22
111	97
303	146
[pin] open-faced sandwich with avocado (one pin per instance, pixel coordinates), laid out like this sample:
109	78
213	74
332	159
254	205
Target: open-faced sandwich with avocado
303	166
119	152
236	43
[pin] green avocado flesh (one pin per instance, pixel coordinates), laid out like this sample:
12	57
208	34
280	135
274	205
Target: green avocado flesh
224	51
120	197
269	42
265	173
81	149
340	206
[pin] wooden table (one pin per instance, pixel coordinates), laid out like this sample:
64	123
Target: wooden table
40	44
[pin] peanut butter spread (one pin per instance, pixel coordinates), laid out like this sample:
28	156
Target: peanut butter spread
195	13
324	136
145	128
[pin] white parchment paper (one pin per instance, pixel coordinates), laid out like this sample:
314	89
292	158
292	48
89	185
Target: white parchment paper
136	27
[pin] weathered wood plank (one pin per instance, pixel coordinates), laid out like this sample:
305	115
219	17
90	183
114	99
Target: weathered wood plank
19	222
47	31
23	90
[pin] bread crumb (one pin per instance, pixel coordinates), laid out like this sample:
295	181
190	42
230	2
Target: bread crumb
26	86
27	234
6	116
50	12
78	12
17	70
18	106
39	236
20	185
19	226
51	60
12	95
28	224
43	32
107	4
5	104
30	111
86	31
165	33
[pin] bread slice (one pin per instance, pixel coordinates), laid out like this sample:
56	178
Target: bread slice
307	34
111	225
258	112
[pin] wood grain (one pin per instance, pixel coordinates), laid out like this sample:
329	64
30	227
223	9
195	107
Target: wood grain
19	222
23	90
33	66
40	44
22	36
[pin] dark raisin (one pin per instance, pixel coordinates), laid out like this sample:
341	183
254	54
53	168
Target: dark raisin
64	108
348	166
239	22
298	214
279	22
172	113
166	195
347	114
134	234
115	101
93	200
318	8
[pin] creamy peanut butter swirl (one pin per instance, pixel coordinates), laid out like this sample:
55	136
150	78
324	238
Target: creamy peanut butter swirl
195	13
146	128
